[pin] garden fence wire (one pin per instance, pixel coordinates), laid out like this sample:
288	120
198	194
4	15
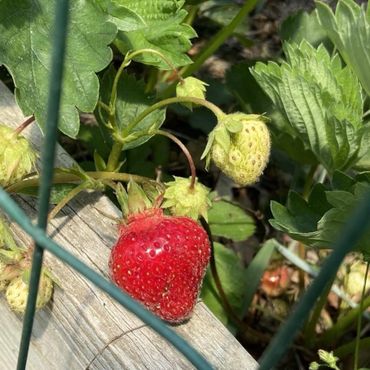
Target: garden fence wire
357	225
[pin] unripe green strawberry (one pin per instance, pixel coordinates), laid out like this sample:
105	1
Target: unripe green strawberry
354	281
191	87
17	158
17	293
240	147
184	201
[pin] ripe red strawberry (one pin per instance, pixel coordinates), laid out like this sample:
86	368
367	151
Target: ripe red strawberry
160	261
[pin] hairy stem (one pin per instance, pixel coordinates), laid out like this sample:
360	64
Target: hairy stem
104	106
66	199
64	178
114	157
163	57
163	103
24	124
223	297
186	152
113	95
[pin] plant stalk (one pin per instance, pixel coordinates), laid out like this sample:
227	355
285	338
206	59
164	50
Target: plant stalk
162	56
64	178
186	153
348	348
337	330
163	103
309	330
220	37
24	124
66	199
114	157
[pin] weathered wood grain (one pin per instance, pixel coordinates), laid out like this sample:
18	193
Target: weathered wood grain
84	328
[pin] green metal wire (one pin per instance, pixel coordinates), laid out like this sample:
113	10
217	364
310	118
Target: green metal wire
48	158
38	234
357	224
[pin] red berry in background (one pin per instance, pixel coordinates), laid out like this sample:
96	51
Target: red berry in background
275	281
160	261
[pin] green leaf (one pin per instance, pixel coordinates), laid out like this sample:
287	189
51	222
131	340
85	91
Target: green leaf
254	100
254	272
349	30
222	12
304	26
231	273
156	24
321	101
58	192
26	47
230	221
131	101
318	222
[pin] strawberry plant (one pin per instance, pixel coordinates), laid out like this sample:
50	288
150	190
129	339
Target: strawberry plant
233	190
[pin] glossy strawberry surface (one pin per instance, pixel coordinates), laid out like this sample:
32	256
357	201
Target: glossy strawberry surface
161	261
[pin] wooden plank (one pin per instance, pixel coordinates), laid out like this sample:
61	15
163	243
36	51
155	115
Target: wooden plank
84	328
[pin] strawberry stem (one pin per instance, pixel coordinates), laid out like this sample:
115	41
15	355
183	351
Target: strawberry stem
186	152
66	199
64	178
221	292
158	53
24	124
175	100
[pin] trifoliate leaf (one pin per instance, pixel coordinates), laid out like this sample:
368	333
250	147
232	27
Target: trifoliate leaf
131	101
26	47
318	222
156	24
321	100
349	30
230	221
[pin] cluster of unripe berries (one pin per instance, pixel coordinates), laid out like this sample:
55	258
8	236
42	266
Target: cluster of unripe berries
15	268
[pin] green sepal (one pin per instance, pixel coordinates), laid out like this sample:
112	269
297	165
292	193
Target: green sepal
10	256
26	276
222	137
153	191
122	197
137	199
211	138
191	87
232	124
6	237
99	162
